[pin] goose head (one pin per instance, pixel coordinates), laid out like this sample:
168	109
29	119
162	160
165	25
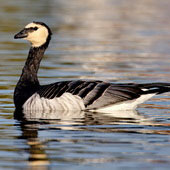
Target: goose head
37	33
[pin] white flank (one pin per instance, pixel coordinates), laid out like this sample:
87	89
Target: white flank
65	102
68	102
37	37
128	105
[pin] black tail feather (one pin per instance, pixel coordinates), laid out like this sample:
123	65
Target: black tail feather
155	87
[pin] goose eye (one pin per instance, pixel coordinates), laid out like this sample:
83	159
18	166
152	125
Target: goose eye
35	28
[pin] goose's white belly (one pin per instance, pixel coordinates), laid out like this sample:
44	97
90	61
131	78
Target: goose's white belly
65	102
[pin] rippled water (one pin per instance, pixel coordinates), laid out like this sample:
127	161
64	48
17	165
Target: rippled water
113	40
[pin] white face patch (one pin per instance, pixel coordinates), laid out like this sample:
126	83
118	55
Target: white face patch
37	37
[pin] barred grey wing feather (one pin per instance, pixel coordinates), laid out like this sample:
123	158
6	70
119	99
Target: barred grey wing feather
115	94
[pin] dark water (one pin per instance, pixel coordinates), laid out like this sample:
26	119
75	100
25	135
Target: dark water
113	40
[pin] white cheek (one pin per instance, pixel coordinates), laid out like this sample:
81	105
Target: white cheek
38	37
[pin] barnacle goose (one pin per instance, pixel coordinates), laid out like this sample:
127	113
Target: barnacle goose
72	95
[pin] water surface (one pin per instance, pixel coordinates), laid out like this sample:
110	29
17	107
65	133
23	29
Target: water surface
112	40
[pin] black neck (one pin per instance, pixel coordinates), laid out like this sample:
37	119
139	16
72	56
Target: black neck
28	82
30	70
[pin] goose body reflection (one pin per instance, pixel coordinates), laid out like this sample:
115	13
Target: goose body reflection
72	120
78	95
50	115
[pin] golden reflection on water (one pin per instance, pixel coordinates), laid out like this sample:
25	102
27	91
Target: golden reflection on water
38	158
